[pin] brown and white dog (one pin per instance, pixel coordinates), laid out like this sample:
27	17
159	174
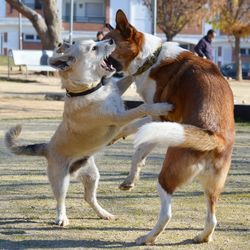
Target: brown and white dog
199	132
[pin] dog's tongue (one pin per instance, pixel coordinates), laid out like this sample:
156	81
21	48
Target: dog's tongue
107	65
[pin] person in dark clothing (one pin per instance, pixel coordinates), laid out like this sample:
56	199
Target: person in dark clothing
204	46
44	58
99	36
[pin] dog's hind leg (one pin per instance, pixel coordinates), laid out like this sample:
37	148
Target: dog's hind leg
213	181
180	166
59	179
210	221
89	176
138	161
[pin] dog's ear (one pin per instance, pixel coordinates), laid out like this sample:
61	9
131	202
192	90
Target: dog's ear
62	63
109	26
122	24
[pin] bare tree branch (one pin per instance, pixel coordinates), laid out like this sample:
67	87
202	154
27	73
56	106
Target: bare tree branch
47	27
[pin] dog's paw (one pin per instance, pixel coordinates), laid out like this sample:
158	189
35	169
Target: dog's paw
62	222
107	216
125	186
202	239
144	240
161	108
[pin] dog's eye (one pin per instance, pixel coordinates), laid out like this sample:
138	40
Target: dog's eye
94	48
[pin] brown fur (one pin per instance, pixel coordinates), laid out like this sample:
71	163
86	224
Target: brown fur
203	99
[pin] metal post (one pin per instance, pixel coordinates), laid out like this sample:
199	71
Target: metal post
154	17
71	21
8	64
20	32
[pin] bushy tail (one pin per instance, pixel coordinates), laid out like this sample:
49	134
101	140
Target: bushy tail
39	149
172	134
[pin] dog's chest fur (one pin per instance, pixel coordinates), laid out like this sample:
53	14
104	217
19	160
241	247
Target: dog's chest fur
88	121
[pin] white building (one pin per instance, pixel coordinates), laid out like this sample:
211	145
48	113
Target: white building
90	16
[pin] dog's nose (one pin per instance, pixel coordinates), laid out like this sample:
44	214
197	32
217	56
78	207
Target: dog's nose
111	41
59	45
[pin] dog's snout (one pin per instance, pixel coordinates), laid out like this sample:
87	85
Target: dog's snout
111	41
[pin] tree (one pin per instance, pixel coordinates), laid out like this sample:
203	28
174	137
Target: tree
47	26
174	15
233	18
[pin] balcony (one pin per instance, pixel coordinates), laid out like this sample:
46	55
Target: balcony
84	19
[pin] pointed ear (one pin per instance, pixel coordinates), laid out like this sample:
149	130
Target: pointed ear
62	63
122	23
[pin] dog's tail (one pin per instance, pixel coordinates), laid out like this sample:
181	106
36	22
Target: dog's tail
172	134
39	149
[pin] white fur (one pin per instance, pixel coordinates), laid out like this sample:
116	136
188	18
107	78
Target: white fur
163	133
151	44
210	224
164	218
89	122
145	86
169	50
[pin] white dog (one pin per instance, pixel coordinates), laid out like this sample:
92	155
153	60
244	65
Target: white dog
93	115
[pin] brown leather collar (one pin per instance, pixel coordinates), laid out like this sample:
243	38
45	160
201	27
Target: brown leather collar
148	63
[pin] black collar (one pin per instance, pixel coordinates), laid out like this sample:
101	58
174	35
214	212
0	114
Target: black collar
148	63
86	92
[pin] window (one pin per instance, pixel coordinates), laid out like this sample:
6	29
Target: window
29	3
33	4
38	5
94	10
31	38
85	11
5	37
243	52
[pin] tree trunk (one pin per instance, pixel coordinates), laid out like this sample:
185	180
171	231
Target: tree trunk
238	59
47	27
169	38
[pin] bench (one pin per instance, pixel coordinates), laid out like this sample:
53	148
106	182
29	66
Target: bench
33	60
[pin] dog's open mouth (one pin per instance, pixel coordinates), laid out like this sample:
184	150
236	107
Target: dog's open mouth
114	63
61	65
62	62
107	65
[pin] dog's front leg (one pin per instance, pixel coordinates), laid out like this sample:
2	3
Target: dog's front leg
125	117
131	128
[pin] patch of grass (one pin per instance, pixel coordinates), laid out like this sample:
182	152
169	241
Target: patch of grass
6	79
27	206
4	61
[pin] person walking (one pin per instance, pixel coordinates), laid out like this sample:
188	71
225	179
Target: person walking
204	46
99	36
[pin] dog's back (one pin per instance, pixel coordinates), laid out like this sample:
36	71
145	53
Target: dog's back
200	93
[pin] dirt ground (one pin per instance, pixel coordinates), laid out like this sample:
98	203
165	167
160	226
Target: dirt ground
22	97
27	207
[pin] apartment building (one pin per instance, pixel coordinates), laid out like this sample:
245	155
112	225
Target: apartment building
90	16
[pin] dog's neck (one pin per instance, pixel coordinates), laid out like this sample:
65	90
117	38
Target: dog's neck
147	57
79	89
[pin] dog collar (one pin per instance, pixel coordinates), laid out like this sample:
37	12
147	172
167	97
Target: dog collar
86	92
148	63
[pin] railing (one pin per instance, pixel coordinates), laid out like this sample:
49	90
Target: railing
84	19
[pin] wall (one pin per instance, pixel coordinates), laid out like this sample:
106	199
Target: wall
137	14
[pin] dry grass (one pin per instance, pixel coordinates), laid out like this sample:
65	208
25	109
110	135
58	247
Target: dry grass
27	208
